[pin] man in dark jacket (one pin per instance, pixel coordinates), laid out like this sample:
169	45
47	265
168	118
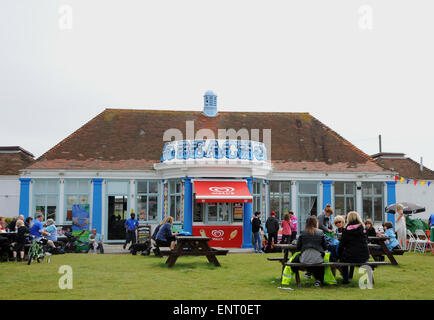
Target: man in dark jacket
256	226
272	226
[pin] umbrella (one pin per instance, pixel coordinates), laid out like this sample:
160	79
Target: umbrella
409	208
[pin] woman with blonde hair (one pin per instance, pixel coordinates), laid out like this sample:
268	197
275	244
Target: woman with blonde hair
353	246
401	226
165	237
339	222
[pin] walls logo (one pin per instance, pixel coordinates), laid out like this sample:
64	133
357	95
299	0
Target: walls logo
217	235
222	190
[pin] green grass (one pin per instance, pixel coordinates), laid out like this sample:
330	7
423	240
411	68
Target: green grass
242	276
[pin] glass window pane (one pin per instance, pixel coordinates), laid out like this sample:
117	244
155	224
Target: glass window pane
378	188
366	188
308	188
173	206
350	188
339	187
238	210
153	208
339	206
51	213
40	200
212	212
286	187
178	208
378	209
71	186
274	187
153	187
178	187
198	212
52	186
367	208
83	186
142	187
51	200
223	212
275	205
350	203
40	186
83	200
141	207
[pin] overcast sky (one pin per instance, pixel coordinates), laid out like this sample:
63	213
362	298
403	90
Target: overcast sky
363	68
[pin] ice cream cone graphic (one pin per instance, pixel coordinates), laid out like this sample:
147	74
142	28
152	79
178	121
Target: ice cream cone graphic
202	233
233	234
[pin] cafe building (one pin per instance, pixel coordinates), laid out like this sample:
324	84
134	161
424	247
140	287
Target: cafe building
210	170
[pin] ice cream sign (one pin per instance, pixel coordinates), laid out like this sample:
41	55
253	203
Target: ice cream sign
222	190
215	149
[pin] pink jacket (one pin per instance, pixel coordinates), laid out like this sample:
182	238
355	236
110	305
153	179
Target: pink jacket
286	228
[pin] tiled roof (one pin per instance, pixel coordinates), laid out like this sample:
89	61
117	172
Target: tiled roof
406	167
119	138
13	159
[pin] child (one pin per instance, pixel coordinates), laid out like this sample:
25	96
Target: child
20	240
392	243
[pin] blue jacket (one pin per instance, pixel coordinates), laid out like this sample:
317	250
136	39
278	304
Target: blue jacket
165	232
392	242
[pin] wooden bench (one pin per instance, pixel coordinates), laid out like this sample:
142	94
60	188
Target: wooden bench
192	246
300	266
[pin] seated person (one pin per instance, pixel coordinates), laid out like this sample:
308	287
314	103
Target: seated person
369	227
95	242
392	243
353	246
339	222
165	238
52	230
312	245
37	230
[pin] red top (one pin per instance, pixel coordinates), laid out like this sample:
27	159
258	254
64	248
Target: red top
286	228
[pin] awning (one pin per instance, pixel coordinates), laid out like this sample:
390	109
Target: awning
222	191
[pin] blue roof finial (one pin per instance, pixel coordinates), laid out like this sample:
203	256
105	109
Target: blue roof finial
210	104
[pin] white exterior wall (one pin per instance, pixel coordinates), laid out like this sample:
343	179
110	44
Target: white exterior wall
421	195
9	196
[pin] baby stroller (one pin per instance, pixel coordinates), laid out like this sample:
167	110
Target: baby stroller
143	243
265	245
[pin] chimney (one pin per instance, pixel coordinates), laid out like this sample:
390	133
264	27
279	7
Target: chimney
421	164
210	104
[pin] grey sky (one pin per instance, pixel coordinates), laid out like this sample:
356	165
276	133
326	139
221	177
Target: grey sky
310	56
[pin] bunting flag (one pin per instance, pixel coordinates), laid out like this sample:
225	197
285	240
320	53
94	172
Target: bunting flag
422	182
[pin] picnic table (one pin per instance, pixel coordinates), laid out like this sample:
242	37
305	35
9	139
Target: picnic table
377	247
193	246
286	249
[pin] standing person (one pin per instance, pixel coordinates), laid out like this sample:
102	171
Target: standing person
2	224
312	245
324	221
95	241
286	229
401	226
431	225
293	220
256	227
353	246
131	225
272	226
20	239
165	237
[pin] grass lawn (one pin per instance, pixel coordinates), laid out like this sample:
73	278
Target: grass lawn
242	276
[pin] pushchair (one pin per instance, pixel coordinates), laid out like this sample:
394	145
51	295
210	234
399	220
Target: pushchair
74	244
143	243
272	247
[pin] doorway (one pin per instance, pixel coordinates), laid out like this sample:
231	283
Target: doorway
117	214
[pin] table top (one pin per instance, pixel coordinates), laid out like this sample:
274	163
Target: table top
378	238
285	246
195	238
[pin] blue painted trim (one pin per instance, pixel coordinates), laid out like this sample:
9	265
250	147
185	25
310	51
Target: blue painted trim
247	215
188	205
25	196
391	199
97	204
326	193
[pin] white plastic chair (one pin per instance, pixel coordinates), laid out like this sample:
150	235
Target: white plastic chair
422	239
411	240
